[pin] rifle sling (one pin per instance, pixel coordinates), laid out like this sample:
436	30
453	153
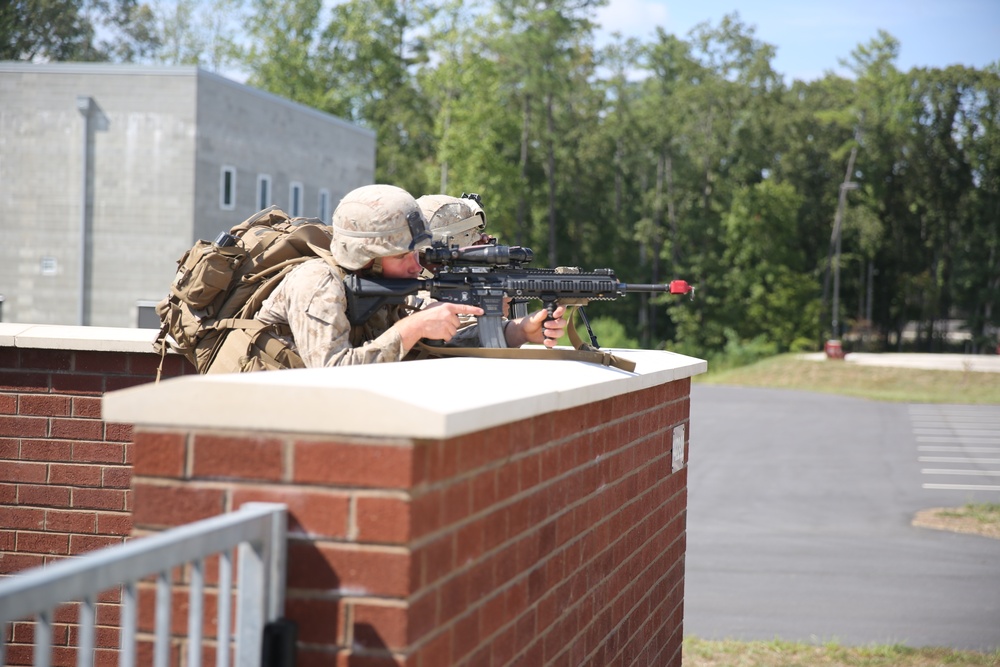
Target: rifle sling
591	356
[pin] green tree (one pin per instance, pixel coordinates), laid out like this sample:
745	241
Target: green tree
54	30
192	32
769	291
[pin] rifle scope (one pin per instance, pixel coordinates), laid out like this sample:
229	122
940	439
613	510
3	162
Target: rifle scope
488	255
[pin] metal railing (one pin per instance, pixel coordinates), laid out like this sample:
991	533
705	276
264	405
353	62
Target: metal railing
257	529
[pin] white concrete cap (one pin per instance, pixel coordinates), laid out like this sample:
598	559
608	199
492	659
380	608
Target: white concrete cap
434	398
66	337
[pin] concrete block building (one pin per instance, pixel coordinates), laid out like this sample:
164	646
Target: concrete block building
108	173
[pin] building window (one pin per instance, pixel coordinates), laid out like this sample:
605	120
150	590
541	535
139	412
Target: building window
227	190
295	199
263	191
324	206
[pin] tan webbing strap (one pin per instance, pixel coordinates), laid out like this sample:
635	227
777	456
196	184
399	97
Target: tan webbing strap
590	356
278	351
163	352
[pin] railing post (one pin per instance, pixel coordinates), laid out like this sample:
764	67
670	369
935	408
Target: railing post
250	604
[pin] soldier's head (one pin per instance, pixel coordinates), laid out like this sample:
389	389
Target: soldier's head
375	222
454	221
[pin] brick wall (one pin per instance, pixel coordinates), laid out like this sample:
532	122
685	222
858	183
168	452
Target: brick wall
552	534
554	540
65	474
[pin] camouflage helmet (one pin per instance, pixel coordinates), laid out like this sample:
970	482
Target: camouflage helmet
453	220
376	221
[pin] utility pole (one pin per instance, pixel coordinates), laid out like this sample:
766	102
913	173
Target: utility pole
838	219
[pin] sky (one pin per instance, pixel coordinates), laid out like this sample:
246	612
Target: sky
812	36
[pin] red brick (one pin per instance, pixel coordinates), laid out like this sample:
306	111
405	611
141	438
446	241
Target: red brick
437	559
438	651
484	490
8	493
86	407
379	626
379	466
318	620
442	460
118	432
109	523
47	496
324	566
382	519
74	383
116	477
98	452
173	365
457	501
469	542
426	513
162	506
23	381
42	543
78	429
69	521
146	364
310	511
467	636
104	637
45	450
8	404
24	518
18	562
116	382
24	427
92	361
99	499
43	405
10	449
46	359
237	457
79	544
16	471
75	475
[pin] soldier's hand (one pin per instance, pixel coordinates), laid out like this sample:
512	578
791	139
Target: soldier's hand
537	328
438	321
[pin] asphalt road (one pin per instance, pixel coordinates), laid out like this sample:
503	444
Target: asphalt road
799	511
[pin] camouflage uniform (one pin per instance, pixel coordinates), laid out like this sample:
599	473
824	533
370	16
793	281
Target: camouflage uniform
311	300
370	222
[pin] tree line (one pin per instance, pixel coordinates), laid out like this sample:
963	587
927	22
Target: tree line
672	157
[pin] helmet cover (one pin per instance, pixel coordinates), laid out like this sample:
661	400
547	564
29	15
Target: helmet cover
376	221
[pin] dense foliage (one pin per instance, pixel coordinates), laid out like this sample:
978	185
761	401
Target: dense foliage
680	157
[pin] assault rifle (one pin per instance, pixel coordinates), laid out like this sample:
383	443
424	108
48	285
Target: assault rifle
469	278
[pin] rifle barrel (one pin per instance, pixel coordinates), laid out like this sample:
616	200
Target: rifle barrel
674	287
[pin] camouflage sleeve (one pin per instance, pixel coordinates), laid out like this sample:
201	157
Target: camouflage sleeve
311	300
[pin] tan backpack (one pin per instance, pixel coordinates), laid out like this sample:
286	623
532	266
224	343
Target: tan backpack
220	286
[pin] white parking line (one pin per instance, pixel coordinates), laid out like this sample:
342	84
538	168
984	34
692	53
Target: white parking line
956	459
948	438
962	487
983	432
971	450
963	432
977	473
